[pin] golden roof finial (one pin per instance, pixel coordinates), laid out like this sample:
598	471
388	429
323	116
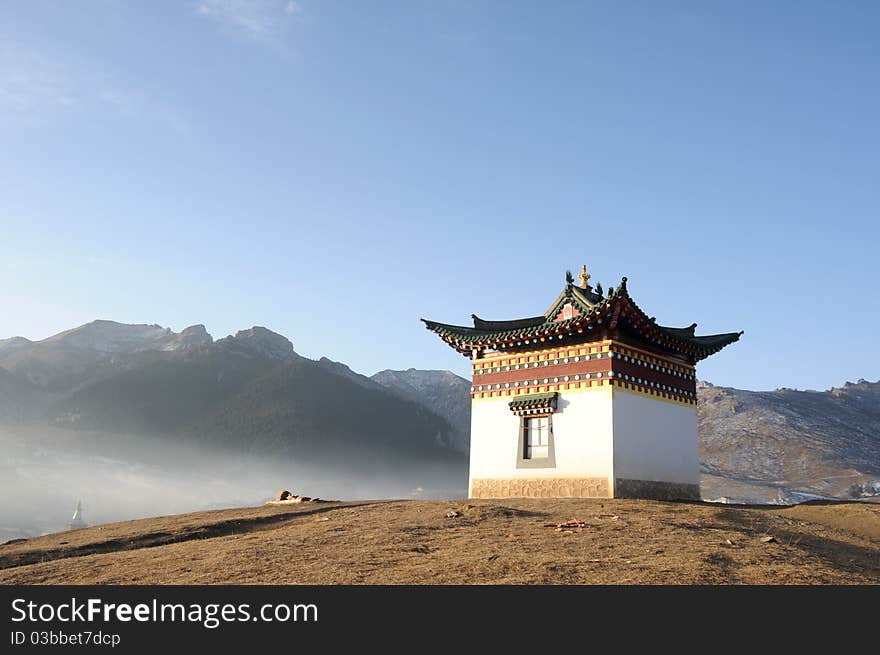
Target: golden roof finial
584	277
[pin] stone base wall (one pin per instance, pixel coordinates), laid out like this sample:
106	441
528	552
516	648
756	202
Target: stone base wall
541	488
654	490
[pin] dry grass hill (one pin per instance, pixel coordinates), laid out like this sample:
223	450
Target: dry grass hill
513	541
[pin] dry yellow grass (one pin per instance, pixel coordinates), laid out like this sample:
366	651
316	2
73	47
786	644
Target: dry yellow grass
491	542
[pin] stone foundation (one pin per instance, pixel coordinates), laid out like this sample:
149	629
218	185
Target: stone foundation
655	490
541	488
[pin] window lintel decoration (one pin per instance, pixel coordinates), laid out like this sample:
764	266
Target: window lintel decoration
537	403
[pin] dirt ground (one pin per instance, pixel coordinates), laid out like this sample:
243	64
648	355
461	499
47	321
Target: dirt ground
512	541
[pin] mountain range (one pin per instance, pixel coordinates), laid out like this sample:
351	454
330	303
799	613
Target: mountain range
251	393
246	391
789	445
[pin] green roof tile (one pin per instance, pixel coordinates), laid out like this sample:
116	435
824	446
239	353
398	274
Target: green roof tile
534	401
595	311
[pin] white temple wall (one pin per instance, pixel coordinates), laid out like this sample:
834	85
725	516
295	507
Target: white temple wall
582	438
654	440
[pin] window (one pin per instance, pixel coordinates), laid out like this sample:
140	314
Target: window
536	448
536	437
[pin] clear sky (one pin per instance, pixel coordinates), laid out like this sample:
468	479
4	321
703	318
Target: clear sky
337	170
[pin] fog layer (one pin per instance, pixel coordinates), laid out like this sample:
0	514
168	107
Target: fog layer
44	472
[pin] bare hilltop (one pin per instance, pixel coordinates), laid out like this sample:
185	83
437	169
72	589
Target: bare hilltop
514	541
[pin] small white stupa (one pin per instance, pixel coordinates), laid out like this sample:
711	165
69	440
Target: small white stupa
77	521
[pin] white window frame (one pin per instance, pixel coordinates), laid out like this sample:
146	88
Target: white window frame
536	436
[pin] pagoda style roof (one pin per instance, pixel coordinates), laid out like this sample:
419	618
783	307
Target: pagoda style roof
515	324
588	312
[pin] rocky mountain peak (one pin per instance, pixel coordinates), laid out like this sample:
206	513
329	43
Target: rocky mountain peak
195	336
260	341
441	392
195	331
14	342
111	337
417	381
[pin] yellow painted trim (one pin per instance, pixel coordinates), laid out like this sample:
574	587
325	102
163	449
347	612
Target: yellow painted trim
542	389
672	401
600	385
556	352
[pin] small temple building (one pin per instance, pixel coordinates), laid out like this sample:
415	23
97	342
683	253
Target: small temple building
590	399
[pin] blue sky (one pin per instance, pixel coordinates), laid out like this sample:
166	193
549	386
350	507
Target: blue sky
337	170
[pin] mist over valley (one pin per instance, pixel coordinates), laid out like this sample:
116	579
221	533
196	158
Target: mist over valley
138	420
